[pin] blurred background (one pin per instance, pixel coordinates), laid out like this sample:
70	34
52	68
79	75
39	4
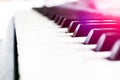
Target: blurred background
106	6
12	6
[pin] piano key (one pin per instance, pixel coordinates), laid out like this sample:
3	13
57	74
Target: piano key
72	16
51	12
44	11
50	15
76	14
115	52
54	12
74	24
64	10
56	17
58	10
106	41
61	19
95	34
83	29
67	22
38	9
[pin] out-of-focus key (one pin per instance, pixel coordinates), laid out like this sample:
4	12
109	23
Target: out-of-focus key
74	24
95	34
45	11
56	17
83	29
67	22
106	41
115	52
51	15
60	20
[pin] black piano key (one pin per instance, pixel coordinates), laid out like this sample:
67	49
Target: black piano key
74	24
76	32
60	17
106	41
66	22
38	9
115	52
95	34
56	17
53	12
72	12
83	29
61	20
51	15
45	11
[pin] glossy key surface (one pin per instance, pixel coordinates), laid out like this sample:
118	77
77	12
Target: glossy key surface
84	29
115	52
74	24
95	34
107	41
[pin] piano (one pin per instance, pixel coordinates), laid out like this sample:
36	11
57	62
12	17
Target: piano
66	42
84	22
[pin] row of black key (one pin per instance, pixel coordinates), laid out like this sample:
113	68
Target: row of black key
101	30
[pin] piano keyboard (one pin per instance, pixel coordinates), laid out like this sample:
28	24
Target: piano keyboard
99	29
79	48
